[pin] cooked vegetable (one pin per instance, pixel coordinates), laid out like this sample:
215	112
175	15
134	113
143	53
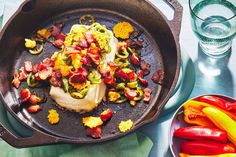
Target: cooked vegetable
217	101
30	43
220	155
141	79
222	121
86	19
65	84
106	115
130	93
34	99
206	148
31	81
27	66
201	133
34	108
123	30
92	122
134	59
37	50
125	125
94	77
53	116
147	95
145	67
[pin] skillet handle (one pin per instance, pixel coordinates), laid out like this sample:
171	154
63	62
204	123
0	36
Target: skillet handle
38	138
175	23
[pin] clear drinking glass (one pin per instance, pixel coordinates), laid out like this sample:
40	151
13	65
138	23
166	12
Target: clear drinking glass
214	23
2	6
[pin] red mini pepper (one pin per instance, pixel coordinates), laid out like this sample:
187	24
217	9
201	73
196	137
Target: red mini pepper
201	133
217	101
206	148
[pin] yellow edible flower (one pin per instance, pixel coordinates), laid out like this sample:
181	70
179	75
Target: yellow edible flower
44	33
125	125
92	122
53	116
30	43
113	96
123	30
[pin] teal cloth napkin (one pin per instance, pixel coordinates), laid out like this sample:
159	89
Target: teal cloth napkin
133	145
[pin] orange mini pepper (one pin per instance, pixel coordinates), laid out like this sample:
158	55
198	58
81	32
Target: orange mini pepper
193	113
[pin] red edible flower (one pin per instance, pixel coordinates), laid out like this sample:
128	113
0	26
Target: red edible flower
94	132
106	115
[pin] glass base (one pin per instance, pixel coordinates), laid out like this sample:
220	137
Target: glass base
216	51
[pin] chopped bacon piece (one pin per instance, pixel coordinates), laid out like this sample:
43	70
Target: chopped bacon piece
158	76
79	76
55	79
94	132
89	37
25	94
16	81
56	29
147	95
106	115
45	74
28	66
145	67
35	68
48	62
126	76
34	99
134	59
58	43
22	74
136	44
60	36
83	43
34	108
94	57
141	79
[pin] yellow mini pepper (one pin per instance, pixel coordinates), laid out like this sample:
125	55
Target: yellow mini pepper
222	121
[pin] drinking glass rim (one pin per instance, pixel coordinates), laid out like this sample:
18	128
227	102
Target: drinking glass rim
191	10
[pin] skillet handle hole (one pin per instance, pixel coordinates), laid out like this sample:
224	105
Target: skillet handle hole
29	6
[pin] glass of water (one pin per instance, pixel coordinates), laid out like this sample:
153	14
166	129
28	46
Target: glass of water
2	6
214	23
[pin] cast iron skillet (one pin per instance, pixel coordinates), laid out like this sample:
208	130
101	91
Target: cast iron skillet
161	50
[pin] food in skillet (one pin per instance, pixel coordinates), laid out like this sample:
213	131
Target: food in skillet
211	130
90	66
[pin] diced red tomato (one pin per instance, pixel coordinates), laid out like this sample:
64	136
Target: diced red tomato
106	115
130	94
34	99
94	132
28	66
25	94
34	108
126	76
134	59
